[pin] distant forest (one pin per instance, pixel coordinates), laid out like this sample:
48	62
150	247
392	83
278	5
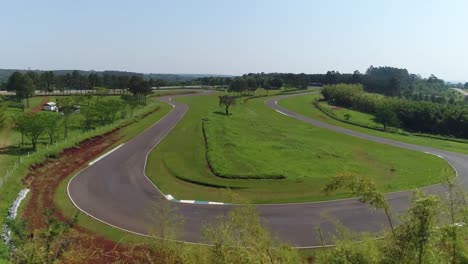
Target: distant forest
388	81
6	73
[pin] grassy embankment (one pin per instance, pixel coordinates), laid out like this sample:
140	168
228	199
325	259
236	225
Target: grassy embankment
64	204
257	142
303	105
10	153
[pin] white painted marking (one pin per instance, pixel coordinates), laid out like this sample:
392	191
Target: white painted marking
169	197
173	106
187	201
434	154
12	213
215	203
281	112
453	167
103	156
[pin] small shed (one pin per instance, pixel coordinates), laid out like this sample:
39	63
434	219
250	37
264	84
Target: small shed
50	106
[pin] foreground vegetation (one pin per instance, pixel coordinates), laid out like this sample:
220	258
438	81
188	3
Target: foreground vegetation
432	231
256	142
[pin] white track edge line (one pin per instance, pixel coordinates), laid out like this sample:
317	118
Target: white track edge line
105	155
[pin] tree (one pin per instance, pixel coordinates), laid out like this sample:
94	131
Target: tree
251	84
395	86
238	85
3	116
31	125
106	110
466	85
276	83
139	87
227	101
386	116
47	81
93	81
357	77
414	235
240	237
132	102
22	85
66	106
331	77
365	189
51	122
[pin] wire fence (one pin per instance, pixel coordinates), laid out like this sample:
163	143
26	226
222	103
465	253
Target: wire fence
42	152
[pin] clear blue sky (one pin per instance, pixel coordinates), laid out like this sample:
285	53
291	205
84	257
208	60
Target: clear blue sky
235	37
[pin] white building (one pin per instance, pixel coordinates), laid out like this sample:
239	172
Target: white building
50	106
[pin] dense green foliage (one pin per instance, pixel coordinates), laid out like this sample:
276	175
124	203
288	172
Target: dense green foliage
414	116
22	85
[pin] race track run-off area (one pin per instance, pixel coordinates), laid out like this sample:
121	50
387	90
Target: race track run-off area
116	191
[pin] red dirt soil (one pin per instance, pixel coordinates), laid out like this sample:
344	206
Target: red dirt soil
44	180
39	107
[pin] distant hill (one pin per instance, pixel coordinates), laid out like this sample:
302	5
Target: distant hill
5	73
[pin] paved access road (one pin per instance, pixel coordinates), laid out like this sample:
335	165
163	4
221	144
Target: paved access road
461	91
116	191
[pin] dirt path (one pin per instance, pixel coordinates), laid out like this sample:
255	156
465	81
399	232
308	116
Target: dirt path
39	107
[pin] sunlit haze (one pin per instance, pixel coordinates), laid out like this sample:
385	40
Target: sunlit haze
236	37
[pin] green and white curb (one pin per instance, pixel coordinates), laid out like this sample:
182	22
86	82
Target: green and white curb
172	199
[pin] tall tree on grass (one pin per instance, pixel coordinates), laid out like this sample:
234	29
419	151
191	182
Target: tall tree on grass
227	101
251	84
31	125
238	85
386	116
132	103
139	87
22	85
67	108
365	189
47	80
51	122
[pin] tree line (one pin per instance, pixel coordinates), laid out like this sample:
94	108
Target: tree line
25	85
415	116
91	112
390	81
383	80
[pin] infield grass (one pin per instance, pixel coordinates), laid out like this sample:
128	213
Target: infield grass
256	141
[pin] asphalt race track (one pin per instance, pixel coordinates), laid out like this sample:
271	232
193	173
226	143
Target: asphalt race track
116	191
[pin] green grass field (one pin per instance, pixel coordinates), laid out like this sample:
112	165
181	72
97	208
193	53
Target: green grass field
303	105
351	115
257	141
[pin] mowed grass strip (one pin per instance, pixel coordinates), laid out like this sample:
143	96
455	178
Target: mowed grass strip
258	141
303	105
